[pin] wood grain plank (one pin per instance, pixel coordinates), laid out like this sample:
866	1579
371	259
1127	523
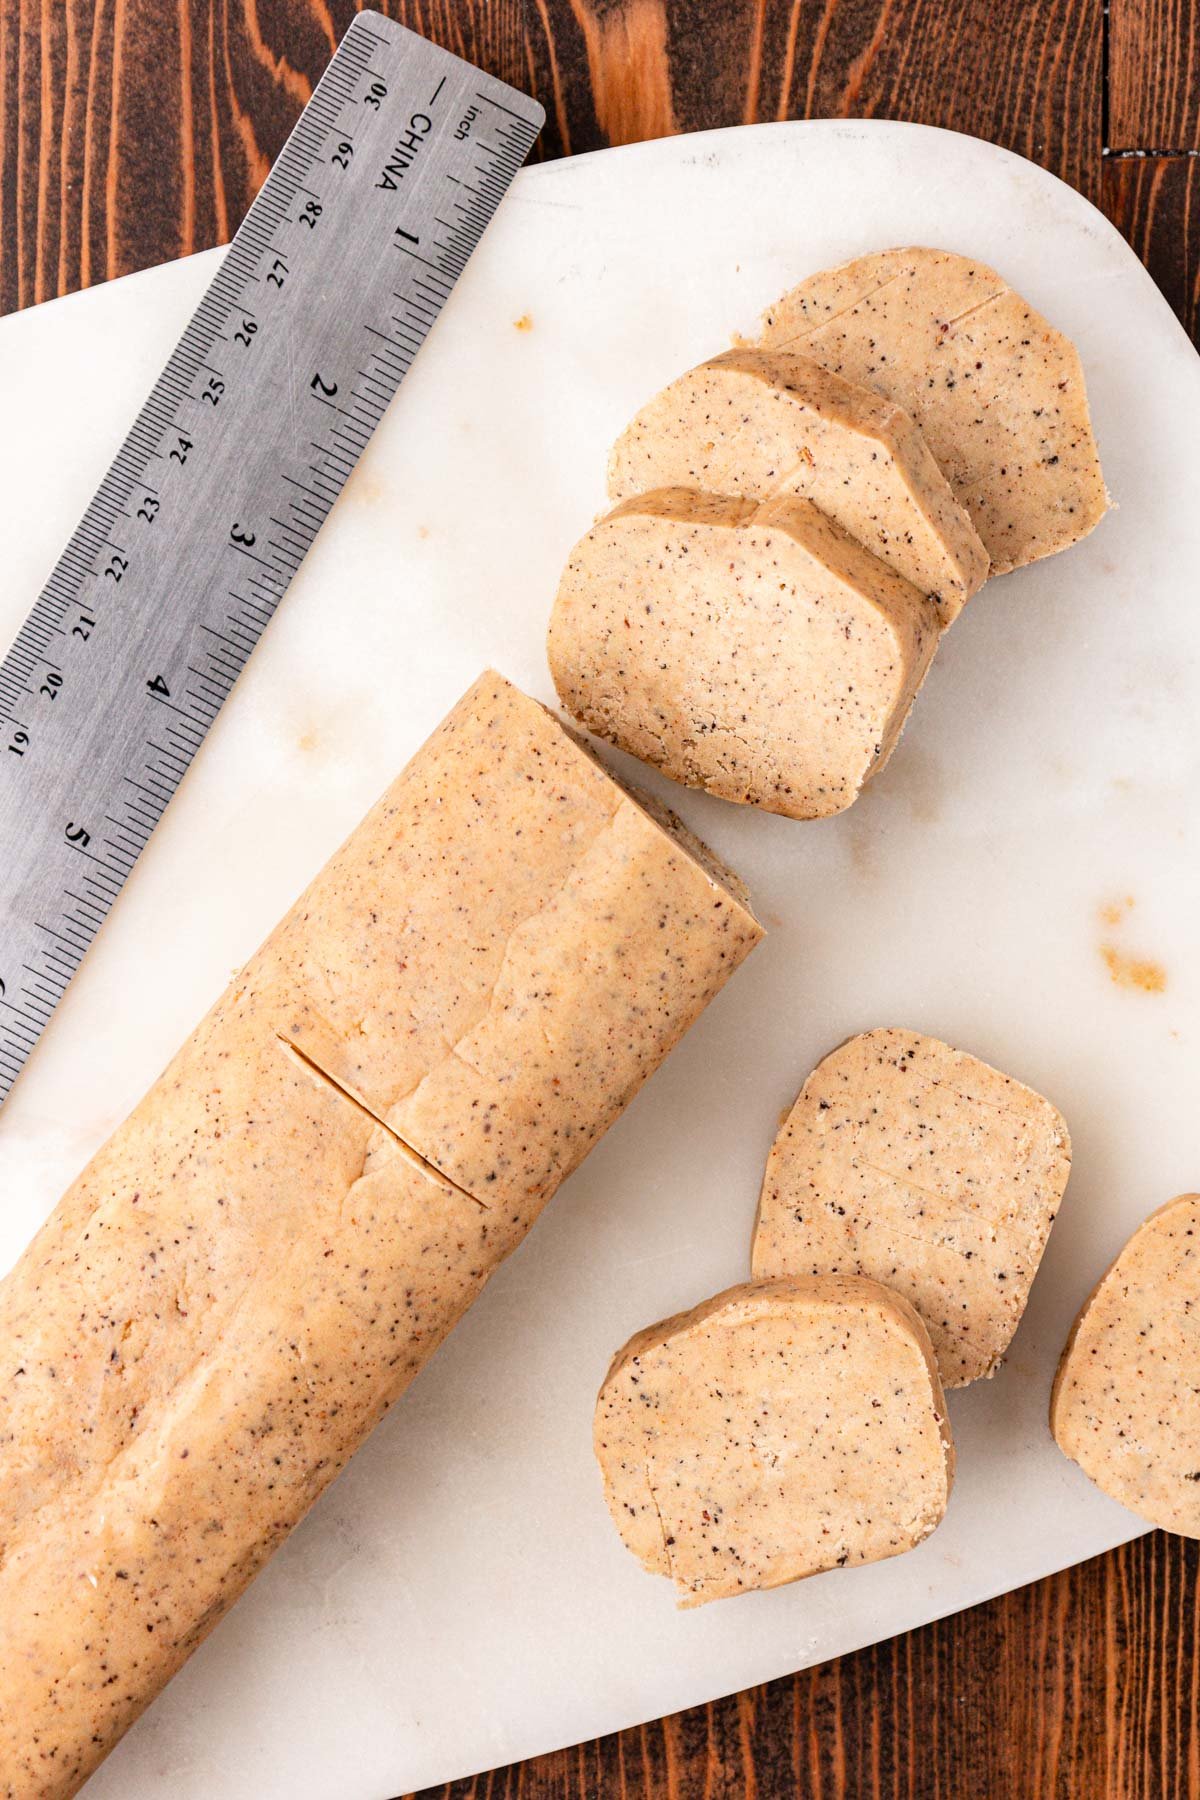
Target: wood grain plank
1081	1687
1155	202
1154	75
132	131
1026	74
139	129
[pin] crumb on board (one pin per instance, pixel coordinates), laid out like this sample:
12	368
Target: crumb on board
1133	971
1113	911
524	323
365	487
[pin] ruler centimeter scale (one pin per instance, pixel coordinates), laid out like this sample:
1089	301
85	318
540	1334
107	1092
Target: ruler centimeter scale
320	305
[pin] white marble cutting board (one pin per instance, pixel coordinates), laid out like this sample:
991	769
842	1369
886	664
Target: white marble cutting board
460	1597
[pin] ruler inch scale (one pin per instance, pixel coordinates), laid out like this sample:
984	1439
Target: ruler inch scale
306	331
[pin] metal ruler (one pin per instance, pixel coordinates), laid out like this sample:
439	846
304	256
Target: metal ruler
320	305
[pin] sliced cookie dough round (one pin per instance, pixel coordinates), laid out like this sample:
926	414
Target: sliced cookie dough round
1126	1399
782	1428
998	393
762	422
755	650
919	1165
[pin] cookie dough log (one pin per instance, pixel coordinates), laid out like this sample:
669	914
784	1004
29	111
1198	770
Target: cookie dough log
258	1262
914	1163
782	1428
998	394
1126	1399
764	422
755	650
555	940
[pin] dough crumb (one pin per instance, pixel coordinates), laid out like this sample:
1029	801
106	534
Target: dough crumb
1133	971
1114	911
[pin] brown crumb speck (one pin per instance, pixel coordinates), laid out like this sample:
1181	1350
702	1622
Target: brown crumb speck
1133	971
1113	911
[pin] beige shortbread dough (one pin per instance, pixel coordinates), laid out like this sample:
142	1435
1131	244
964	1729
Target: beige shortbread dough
1126	1400
263	1255
782	1428
764	422
998	393
755	650
912	1162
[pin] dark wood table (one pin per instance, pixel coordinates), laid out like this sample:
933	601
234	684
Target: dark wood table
136	130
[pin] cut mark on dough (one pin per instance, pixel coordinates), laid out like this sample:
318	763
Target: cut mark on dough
972	1099
811	327
947	325
832	1097
422	1163
667	1540
944	325
972	1219
926	1241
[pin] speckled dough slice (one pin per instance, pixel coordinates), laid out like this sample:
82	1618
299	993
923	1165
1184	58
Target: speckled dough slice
782	1428
998	393
760	423
919	1165
1126	1400
757	651
260	1259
